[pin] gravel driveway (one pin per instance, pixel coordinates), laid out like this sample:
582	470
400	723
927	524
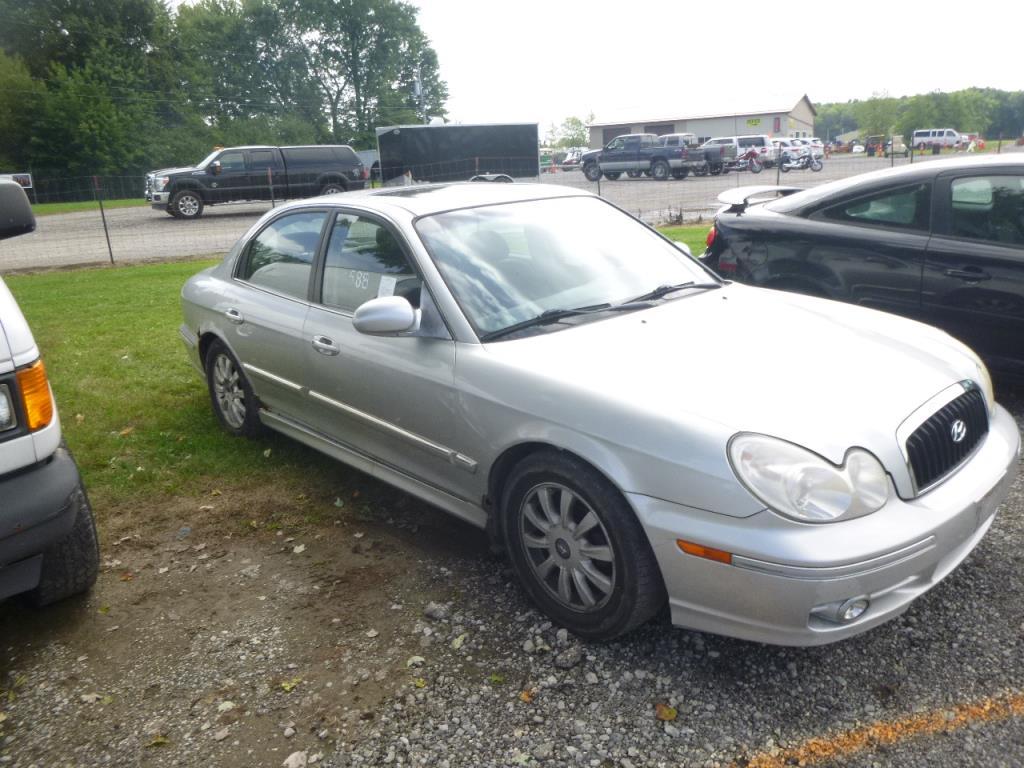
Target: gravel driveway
275	626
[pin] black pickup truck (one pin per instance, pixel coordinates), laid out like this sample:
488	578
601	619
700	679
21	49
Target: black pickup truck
255	173
645	154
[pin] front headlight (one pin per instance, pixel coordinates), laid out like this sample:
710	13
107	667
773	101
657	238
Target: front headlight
8	418
162	182
799	484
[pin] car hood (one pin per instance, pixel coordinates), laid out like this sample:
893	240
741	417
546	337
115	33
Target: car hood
825	375
171	171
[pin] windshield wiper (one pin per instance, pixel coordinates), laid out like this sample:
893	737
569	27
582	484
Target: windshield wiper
664	290
549	316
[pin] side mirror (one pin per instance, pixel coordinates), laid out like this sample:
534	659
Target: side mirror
16	217
215	167
386	316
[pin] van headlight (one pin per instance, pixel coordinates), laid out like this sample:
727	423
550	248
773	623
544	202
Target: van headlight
802	485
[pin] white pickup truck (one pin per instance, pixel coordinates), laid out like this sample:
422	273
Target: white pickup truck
48	544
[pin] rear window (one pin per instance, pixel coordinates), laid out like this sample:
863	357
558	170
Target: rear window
319	156
347	155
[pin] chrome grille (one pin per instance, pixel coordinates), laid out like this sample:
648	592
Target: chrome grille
933	448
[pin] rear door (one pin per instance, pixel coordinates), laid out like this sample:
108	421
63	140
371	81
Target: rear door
973	283
266	174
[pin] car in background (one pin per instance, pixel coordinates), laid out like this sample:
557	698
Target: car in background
48	544
935	137
941	242
896	146
793	147
816	145
510	354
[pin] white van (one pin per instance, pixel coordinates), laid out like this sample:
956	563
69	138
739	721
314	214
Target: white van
931	137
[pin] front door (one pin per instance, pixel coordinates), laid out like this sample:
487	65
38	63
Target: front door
232	182
390	398
973	285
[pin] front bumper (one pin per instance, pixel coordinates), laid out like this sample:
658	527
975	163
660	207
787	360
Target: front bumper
785	576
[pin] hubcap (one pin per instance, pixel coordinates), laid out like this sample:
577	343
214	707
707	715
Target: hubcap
227	389
567	546
188	205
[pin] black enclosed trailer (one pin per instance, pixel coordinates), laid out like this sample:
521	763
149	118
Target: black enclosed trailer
458	152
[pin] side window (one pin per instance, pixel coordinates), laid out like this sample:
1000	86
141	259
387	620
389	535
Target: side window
906	208
280	258
364	261
232	161
261	159
617	143
988	208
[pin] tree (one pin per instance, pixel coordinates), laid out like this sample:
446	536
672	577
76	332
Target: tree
573	132
371	64
21	98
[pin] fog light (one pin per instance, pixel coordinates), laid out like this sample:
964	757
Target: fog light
853	609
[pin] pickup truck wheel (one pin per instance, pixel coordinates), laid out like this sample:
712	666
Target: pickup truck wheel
613	175
660	170
701	170
634	174
187	204
332	188
680	173
71	564
231	395
577	547
715	170
592	171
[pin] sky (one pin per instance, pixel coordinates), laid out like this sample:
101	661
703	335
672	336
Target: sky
534	61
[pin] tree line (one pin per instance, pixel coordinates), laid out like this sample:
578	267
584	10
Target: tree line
986	111
122	86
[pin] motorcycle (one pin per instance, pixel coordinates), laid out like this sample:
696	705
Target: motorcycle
749	161
789	163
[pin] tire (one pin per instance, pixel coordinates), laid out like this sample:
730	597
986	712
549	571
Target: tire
592	171
755	166
231	395
680	173
635	174
701	170
784	167
70	565
600	583
660	170
816	164
187	204
716	170
332	188
613	175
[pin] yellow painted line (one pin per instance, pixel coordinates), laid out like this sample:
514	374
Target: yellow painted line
829	748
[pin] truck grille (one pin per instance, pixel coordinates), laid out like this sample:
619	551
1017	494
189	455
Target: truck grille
948	437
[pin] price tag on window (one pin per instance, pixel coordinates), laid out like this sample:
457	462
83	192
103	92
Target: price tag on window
387	286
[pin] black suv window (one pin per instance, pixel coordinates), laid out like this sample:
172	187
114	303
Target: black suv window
988	208
364	261
261	159
904	208
232	161
280	257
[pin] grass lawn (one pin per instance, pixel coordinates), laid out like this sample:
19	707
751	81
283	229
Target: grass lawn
48	209
134	411
693	235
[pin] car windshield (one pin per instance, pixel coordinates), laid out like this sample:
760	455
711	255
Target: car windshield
508	264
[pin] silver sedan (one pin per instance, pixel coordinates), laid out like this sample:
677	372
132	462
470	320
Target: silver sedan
630	428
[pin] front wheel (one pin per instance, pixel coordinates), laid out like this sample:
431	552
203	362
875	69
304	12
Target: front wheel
784	167
592	171
578	548
755	166
186	204
70	566
816	164
230	393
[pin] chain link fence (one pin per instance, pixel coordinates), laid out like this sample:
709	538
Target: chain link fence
140	233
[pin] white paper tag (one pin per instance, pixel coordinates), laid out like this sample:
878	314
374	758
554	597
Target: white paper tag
387	285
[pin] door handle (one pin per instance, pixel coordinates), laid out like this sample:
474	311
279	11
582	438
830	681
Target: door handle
234	316
325	345
969	273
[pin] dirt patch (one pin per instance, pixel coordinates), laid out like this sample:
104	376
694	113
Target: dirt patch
232	628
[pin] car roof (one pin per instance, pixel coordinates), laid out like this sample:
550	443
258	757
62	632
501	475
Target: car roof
425	199
892	176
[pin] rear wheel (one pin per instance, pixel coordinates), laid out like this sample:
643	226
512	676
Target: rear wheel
332	188
231	395
578	548
660	170
634	174
613	175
